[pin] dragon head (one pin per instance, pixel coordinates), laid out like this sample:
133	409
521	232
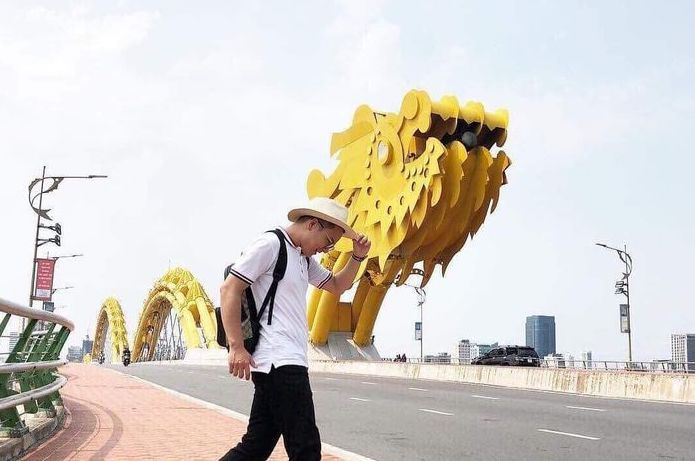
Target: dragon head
418	182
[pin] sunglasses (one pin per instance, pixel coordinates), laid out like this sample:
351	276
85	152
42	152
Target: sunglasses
331	244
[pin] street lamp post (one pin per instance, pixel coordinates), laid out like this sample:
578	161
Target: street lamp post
421	296
622	287
61	288
43	213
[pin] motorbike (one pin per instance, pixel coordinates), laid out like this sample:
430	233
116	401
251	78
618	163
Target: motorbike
126	358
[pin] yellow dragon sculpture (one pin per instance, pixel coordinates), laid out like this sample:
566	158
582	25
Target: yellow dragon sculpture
418	183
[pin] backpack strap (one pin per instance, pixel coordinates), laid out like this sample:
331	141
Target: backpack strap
278	274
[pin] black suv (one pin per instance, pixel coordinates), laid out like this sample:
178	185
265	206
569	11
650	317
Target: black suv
509	356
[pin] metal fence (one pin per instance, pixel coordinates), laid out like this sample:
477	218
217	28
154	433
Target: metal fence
29	381
656	366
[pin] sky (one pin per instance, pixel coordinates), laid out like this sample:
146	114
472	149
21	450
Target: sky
208	116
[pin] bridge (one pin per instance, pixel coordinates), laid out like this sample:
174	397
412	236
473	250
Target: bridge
365	409
420	183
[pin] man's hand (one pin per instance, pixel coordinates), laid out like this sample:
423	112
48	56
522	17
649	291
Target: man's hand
361	246
240	362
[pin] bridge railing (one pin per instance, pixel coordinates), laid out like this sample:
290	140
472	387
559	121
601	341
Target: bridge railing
29	382
657	366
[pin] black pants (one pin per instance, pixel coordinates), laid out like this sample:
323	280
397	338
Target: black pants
282	404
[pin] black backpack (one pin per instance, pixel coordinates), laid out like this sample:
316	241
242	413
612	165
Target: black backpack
250	317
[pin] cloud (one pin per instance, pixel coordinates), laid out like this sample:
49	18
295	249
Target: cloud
368	51
46	53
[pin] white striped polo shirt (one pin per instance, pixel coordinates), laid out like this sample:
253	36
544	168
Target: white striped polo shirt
284	341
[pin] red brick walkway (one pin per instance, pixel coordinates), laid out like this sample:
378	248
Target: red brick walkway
112	416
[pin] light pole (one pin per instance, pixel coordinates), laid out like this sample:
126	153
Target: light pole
56	258
61	288
43	213
421	296
622	287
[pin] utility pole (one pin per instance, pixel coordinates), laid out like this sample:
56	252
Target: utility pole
622	287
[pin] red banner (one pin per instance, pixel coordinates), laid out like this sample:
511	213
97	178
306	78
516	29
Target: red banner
44	279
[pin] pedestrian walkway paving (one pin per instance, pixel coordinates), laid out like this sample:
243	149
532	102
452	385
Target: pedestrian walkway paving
113	416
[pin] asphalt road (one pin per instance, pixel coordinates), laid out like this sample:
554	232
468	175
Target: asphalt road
399	419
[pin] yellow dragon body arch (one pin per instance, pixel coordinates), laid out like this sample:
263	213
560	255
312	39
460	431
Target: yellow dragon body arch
110	336
176	300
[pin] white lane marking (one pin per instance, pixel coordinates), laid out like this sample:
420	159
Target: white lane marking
367	382
569	434
584	408
484	397
436	412
331	379
418	389
359	399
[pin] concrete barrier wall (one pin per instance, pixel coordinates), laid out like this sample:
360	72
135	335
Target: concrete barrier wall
623	384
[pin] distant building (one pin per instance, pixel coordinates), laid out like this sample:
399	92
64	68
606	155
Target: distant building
540	334
74	354
683	351
662	365
479	349
464	352
87	345
442	357
554	360
586	359
569	359
14	339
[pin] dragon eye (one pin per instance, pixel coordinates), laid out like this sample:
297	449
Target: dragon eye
383	152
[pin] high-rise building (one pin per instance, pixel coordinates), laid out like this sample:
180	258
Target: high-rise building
683	350
87	345
463	352
540	334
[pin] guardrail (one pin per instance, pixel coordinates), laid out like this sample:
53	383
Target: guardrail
29	382
657	366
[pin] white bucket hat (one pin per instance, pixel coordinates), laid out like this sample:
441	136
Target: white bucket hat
327	210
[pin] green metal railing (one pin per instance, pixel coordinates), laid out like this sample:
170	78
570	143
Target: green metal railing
29	382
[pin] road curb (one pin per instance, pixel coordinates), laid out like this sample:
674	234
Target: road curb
328	448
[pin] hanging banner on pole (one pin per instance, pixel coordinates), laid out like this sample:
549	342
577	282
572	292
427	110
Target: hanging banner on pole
418	331
624	318
44	279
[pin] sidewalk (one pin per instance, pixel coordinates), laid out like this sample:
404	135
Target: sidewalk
112	416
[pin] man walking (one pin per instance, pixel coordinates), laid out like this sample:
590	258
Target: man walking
282	401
